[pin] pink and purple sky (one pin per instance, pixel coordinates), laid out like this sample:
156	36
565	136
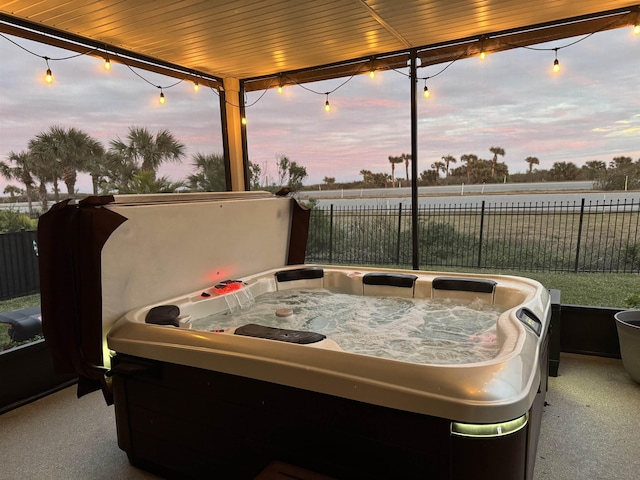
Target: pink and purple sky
590	110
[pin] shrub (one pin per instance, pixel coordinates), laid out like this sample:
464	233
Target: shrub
632	301
13	221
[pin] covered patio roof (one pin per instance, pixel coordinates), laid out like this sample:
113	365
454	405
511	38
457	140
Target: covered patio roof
269	42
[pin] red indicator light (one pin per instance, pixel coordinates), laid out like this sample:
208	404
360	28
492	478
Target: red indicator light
223	288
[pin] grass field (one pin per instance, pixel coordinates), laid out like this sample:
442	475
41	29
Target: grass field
601	238
590	289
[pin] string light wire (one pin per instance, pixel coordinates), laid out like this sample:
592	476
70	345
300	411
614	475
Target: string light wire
366	67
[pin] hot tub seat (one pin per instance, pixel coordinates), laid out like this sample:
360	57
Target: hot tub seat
279	334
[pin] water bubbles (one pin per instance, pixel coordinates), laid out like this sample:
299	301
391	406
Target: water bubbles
412	330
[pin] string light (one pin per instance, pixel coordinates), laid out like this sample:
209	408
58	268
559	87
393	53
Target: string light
636	28
426	92
48	77
243	120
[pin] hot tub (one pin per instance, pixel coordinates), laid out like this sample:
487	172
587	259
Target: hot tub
210	398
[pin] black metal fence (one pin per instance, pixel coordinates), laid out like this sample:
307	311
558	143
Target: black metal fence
18	264
536	236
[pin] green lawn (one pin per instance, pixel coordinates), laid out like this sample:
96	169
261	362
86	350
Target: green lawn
591	289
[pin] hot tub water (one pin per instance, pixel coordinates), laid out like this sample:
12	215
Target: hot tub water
412	330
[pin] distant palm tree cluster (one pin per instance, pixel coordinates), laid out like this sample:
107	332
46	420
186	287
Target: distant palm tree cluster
620	173
128	165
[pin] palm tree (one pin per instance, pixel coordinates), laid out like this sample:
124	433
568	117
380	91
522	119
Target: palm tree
447	160
407	158
594	169
210	174
83	154
532	161
496	151
620	163
12	191
564	171
469	159
47	149
147	151
393	161
22	171
329	181
437	166
63	153
145	182
113	174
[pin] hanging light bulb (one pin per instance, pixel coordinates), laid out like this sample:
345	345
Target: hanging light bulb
243	120
280	84
48	77
162	99
196	87
556	63
107	63
636	28
426	93
483	54
372	70
327	107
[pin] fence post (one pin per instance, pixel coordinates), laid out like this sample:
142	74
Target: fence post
331	233
575	268
399	227
481	233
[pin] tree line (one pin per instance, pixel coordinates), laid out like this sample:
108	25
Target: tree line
620	173
128	165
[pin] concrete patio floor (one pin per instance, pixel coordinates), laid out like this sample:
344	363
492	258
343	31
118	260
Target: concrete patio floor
590	430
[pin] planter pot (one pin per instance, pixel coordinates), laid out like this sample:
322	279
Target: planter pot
26	373
628	325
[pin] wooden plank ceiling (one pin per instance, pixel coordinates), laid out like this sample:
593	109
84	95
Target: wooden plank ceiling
260	39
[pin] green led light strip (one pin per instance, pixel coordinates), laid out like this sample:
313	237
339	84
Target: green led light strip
489	429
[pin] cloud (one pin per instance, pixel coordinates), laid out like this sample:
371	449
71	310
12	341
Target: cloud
512	100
